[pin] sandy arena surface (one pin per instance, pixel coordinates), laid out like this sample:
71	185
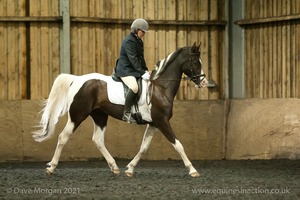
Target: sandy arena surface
258	179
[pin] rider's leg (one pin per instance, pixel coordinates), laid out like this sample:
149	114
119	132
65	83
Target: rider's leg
131	82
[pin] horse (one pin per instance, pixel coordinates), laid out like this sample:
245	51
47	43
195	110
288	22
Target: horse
89	95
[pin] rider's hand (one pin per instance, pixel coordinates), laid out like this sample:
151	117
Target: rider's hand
146	76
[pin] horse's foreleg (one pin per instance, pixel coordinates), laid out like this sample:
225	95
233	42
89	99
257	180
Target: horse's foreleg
62	140
98	139
148	135
179	148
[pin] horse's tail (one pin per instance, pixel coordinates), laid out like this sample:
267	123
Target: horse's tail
55	106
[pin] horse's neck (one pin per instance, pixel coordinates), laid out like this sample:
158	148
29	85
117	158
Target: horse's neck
170	79
173	71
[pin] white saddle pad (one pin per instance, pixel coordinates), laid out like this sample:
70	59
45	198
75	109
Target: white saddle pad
115	92
115	95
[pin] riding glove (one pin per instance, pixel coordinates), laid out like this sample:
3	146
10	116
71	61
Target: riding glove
146	75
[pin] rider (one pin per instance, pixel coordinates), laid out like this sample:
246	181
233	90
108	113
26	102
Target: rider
131	64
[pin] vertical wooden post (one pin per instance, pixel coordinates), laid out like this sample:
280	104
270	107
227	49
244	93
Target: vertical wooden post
28	55
226	51
65	55
225	95
236	51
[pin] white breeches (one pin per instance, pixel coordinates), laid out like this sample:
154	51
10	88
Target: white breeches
130	81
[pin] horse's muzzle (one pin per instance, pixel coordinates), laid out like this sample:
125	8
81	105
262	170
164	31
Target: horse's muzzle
201	82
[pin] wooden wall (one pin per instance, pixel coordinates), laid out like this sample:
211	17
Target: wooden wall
272	48
30	34
13	72
208	130
44	48
95	46
29	48
30	42
263	129
198	131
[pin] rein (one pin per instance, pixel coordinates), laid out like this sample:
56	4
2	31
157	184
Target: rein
201	76
151	85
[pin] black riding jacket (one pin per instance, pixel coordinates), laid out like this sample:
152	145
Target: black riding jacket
131	61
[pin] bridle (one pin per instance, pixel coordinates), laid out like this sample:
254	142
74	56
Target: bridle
194	77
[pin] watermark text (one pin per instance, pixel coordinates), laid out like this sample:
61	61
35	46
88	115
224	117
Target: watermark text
234	191
44	191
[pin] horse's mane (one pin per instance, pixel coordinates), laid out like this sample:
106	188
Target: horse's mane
162	65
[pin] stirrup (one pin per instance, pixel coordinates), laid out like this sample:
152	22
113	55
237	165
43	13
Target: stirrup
126	117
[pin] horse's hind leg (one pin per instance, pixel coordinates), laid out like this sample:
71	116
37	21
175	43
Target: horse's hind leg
100	121
62	140
148	135
98	139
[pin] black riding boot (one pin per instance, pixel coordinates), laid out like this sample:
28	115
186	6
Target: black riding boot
129	101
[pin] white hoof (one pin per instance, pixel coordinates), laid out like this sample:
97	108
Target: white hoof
48	171
129	174
194	174
116	171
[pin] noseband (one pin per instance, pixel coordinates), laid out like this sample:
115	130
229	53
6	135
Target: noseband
194	77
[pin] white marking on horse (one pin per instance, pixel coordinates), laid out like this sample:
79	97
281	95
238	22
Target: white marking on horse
179	148
98	139
162	64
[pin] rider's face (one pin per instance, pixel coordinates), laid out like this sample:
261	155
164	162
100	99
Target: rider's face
140	34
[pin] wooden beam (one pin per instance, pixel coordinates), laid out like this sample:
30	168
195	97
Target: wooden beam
114	21
31	19
245	22
152	22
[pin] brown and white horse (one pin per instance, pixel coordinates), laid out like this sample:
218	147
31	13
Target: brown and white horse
98	96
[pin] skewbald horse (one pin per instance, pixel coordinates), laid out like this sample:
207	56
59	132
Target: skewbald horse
87	95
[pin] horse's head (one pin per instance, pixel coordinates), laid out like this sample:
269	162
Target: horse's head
193	67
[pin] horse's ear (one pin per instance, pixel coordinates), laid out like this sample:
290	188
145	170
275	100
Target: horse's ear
198	47
194	47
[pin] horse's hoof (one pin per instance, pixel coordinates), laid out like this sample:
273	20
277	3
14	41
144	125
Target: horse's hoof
129	174
116	171
194	174
49	173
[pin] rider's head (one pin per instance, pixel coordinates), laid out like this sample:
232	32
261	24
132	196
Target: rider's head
139	26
